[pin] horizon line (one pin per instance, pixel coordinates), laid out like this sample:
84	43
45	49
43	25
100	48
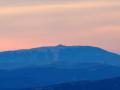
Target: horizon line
58	45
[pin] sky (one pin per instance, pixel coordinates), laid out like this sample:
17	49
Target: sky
36	23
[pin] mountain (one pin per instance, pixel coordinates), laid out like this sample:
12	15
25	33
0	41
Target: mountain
39	77
107	84
64	55
45	66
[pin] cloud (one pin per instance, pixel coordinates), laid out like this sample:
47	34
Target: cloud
8	10
84	23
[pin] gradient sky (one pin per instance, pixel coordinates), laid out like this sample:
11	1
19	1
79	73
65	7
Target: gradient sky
35	23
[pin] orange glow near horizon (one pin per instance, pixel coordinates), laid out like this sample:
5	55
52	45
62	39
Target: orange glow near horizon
94	23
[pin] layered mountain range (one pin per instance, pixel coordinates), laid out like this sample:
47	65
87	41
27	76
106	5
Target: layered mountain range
44	66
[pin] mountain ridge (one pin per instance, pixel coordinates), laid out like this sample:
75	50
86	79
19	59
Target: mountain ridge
59	46
60	53
31	68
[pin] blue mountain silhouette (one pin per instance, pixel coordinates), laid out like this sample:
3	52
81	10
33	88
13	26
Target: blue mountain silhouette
60	54
45	66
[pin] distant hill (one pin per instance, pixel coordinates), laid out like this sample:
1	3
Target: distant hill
64	55
36	77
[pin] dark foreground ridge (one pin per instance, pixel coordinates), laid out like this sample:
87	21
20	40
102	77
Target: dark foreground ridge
107	84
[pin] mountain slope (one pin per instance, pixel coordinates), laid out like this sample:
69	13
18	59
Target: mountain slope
53	65
58	54
38	77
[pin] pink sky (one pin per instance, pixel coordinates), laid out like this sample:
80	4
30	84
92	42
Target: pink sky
27	24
